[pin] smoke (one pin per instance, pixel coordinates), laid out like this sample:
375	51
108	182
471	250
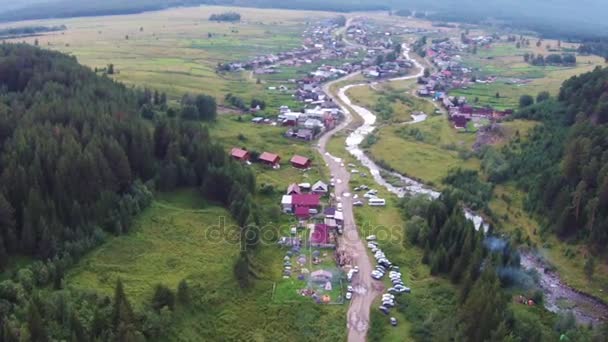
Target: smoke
515	276
495	244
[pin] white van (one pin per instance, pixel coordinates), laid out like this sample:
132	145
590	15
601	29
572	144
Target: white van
377	202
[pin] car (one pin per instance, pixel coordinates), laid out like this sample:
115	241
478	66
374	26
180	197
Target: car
349	288
357	189
358	203
349	295
384	309
388	304
396	268
339	207
369	196
364	187
371	238
388	295
393	321
356	269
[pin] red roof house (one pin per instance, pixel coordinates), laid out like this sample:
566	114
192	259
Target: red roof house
320	235
239	154
305	200
302	213
270	159
300	162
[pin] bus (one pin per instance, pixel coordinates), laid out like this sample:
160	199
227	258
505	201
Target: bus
377	202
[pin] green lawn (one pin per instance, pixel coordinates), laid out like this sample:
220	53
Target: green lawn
429	159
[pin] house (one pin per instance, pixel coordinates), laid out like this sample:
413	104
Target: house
239	154
302	213
269	159
460	121
293	189
286	204
300	162
305	134
320	188
329	212
310	201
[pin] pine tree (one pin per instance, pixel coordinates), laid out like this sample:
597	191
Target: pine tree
35	325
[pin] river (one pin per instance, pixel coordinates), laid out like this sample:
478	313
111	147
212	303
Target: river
585	308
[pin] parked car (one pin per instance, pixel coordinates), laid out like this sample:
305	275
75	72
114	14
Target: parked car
358	203
349	295
371	238
393	321
384	309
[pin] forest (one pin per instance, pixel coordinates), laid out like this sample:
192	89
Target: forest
484	274
563	165
79	162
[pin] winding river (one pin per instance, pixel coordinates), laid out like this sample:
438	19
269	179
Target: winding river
586	309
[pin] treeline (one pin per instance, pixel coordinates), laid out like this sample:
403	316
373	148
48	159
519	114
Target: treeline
29	30
226	16
78	160
563	165
595	47
481	271
567	59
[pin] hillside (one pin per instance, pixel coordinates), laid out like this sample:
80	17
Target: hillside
75	155
563	165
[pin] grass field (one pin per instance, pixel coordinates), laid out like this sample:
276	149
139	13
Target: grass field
170	242
505	61
177	50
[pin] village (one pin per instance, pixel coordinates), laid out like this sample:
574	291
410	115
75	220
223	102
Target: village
445	54
374	55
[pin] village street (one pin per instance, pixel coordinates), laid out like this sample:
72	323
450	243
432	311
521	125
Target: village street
366	289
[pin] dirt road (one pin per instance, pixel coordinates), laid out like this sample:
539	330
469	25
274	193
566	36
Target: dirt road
365	288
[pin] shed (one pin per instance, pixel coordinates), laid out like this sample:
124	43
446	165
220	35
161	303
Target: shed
239	154
300	162
270	159
286	204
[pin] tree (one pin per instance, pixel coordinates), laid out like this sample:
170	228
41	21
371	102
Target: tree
542	96
122	313
110	69
497	95
163	297
35	326
483	311
525	101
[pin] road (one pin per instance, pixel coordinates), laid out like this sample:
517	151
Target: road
366	288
